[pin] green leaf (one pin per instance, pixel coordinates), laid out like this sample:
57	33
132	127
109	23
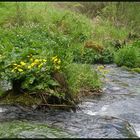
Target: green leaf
53	83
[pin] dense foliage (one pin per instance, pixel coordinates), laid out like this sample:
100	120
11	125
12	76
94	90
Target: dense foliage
46	50
36	57
126	56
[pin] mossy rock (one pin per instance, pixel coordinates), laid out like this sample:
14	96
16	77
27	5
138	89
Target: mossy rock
22	99
26	129
136	70
133	70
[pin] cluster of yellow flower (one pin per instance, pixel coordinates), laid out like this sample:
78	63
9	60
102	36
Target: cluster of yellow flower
56	62
18	67
36	62
23	65
102	69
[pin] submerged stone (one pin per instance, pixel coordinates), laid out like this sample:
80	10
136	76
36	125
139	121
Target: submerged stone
26	129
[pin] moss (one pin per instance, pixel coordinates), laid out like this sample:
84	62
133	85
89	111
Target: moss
125	68
1	92
133	70
136	70
25	129
23	99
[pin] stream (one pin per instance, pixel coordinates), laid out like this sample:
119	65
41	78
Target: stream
114	114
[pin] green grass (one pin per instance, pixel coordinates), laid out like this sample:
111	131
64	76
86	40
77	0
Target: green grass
44	32
82	76
104	31
127	56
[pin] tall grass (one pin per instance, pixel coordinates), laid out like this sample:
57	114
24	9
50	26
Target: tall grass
39	32
127	56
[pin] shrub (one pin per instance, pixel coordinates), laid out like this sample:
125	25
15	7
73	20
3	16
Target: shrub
136	44
91	56
127	56
106	56
85	55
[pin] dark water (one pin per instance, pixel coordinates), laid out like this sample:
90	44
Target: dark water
115	114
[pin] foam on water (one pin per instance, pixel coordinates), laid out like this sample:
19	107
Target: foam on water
102	111
138	132
2	110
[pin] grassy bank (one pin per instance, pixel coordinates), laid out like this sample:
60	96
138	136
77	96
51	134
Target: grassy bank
46	51
37	53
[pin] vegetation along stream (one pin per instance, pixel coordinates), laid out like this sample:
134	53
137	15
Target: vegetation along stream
69	70
114	114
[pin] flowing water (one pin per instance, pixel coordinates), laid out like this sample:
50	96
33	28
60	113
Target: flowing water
115	114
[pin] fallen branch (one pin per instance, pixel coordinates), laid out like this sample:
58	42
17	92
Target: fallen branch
56	105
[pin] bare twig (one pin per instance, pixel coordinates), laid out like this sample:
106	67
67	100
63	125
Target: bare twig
56	105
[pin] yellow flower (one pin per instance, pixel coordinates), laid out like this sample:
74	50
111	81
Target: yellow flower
36	61
59	61
22	63
31	59
40	65
18	65
55	60
100	67
29	67
105	71
33	64
12	70
15	64
15	68
57	67
44	60
20	70
55	57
